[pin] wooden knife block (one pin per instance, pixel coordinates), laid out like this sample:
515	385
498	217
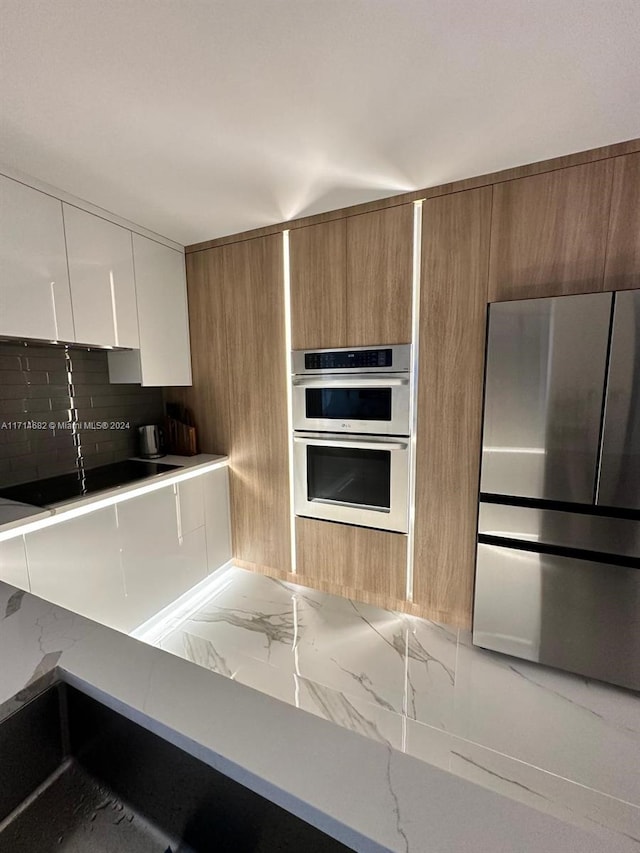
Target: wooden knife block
180	438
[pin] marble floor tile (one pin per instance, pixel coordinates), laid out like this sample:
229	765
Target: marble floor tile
546	792
263	629
353	651
353	713
581	730
431	663
560	743
428	744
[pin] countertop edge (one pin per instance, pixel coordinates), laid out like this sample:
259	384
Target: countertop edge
368	795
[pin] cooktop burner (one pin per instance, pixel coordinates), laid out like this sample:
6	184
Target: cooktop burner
54	490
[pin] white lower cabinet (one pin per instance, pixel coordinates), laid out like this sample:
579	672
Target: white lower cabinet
77	564
217	517
191	503
160	561
13	563
122	564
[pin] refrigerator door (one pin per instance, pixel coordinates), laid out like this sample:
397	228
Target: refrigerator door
574	614
619	483
545	378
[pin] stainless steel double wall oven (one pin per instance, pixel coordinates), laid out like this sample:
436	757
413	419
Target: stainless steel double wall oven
351	420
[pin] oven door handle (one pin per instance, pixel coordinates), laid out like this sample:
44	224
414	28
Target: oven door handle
351	382
351	442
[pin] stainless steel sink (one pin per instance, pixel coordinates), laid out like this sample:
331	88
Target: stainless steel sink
77	776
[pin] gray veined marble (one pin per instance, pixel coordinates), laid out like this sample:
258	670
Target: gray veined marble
565	746
361	788
14	603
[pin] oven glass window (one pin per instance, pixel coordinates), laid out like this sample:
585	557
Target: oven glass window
364	404
349	476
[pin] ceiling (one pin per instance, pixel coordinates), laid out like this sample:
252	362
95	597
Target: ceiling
197	118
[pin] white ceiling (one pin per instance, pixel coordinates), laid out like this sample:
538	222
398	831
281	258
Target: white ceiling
198	119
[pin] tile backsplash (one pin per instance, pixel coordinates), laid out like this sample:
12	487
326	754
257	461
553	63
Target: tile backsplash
65	395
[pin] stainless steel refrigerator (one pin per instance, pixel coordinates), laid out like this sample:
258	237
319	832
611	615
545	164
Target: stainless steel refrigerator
558	563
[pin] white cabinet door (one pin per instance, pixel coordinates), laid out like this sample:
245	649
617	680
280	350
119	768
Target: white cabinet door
215	486
161	293
191	503
76	564
160	561
34	281
13	563
103	292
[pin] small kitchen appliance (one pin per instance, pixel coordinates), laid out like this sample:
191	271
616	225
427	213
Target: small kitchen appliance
150	441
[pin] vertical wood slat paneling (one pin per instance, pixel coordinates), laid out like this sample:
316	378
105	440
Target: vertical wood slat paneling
455	252
622	271
208	397
379	276
351	280
318	286
255	332
549	233
353	558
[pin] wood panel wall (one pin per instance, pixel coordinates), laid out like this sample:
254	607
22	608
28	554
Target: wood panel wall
379	276
453	305
549	233
318	269
567	225
255	332
208	397
622	270
239	393
352	558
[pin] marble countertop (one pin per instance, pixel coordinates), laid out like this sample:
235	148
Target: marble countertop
14	516
366	794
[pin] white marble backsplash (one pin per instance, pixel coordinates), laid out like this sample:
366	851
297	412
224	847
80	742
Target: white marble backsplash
560	743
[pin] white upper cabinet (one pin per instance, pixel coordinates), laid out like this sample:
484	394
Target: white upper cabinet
103	291
161	293
35	301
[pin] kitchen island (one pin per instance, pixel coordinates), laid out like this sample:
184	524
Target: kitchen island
367	795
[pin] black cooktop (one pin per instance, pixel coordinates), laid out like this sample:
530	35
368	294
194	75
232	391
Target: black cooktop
68	486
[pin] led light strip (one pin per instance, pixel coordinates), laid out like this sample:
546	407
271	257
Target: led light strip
287	346
63	514
413	404
171	617
112	285
53	307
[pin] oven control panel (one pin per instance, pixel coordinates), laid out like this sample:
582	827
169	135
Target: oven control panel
341	359
392	358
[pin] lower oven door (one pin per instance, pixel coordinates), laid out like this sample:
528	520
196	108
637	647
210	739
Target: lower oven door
361	480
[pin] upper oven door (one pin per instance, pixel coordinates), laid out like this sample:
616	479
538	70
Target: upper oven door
359	404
